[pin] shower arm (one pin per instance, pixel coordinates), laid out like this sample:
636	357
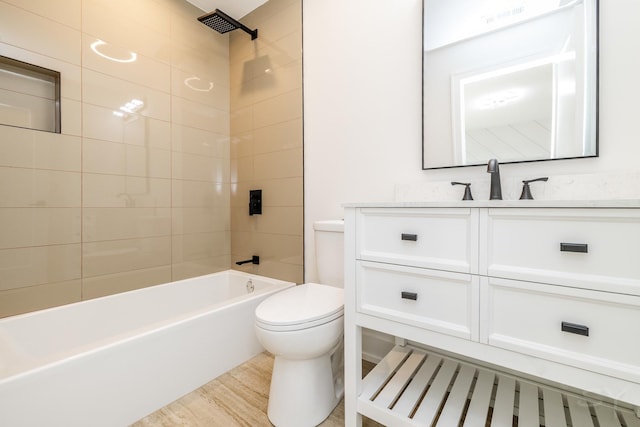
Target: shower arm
206	20
252	33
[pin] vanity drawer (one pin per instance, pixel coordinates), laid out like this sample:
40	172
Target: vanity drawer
444	239
436	300
587	248
592	330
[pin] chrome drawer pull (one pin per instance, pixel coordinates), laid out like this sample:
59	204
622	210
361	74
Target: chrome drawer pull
411	237
574	247
409	295
573	328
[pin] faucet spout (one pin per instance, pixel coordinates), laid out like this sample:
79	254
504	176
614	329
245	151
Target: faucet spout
255	259
496	189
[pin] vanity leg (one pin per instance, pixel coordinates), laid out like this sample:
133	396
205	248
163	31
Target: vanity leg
352	332
352	375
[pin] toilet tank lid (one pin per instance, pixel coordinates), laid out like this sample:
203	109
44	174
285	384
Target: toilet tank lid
335	225
301	304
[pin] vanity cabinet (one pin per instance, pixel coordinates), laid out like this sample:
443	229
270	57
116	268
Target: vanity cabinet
438	239
543	293
435	300
596	331
583	248
414	267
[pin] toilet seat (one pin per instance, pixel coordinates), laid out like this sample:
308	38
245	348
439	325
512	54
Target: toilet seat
301	307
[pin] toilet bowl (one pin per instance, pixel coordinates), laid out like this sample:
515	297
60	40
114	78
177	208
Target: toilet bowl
303	327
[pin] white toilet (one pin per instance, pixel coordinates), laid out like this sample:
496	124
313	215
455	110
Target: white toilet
303	328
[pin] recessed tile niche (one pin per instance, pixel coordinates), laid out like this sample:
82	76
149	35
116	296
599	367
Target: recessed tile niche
29	96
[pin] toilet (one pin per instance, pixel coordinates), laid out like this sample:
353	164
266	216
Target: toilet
303	328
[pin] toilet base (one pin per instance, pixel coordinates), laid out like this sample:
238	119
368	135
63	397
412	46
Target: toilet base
303	392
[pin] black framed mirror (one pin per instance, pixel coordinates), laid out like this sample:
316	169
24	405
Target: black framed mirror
515	80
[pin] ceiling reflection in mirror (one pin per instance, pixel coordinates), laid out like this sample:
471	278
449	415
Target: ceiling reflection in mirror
514	80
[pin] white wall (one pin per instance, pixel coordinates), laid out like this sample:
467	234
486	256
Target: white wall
362	104
362	109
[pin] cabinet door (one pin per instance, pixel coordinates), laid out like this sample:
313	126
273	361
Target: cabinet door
436	300
592	330
442	238
586	248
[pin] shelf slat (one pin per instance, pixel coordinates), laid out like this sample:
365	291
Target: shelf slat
381	372
452	411
503	405
607	416
432	401
480	400
411	388
399	381
631	419
411	396
553	409
579	411
528	409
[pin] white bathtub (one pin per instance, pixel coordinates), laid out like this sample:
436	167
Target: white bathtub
111	361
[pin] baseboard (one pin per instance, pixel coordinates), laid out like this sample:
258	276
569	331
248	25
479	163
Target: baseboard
375	345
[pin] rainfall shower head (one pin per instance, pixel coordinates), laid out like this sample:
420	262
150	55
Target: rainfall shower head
223	23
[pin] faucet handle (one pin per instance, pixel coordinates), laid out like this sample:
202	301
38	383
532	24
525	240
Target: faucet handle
467	190
526	190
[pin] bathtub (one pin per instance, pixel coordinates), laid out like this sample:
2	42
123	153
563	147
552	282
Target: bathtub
112	360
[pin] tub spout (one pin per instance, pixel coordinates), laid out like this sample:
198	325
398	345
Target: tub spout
255	259
496	188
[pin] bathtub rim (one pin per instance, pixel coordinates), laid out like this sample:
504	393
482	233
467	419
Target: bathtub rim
276	285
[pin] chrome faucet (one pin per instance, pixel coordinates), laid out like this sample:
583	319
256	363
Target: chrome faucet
496	189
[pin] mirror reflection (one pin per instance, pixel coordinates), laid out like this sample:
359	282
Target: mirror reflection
514	80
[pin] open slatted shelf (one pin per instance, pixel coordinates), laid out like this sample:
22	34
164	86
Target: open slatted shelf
411	387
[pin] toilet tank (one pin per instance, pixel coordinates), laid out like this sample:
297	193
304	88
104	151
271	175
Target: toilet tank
329	239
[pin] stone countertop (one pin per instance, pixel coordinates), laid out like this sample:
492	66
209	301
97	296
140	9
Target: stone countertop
620	203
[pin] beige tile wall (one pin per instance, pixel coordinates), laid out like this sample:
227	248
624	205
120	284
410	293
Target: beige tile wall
266	140
115	203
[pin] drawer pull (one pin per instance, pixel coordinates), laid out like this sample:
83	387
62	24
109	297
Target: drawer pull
574	247
573	328
409	295
410	237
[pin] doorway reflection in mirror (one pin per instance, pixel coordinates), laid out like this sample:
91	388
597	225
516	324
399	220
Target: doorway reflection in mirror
513	80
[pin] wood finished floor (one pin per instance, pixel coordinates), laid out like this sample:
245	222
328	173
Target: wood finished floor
237	398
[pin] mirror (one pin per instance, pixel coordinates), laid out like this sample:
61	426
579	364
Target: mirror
514	80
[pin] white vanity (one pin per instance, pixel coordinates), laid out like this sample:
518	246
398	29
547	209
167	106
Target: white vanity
527	309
